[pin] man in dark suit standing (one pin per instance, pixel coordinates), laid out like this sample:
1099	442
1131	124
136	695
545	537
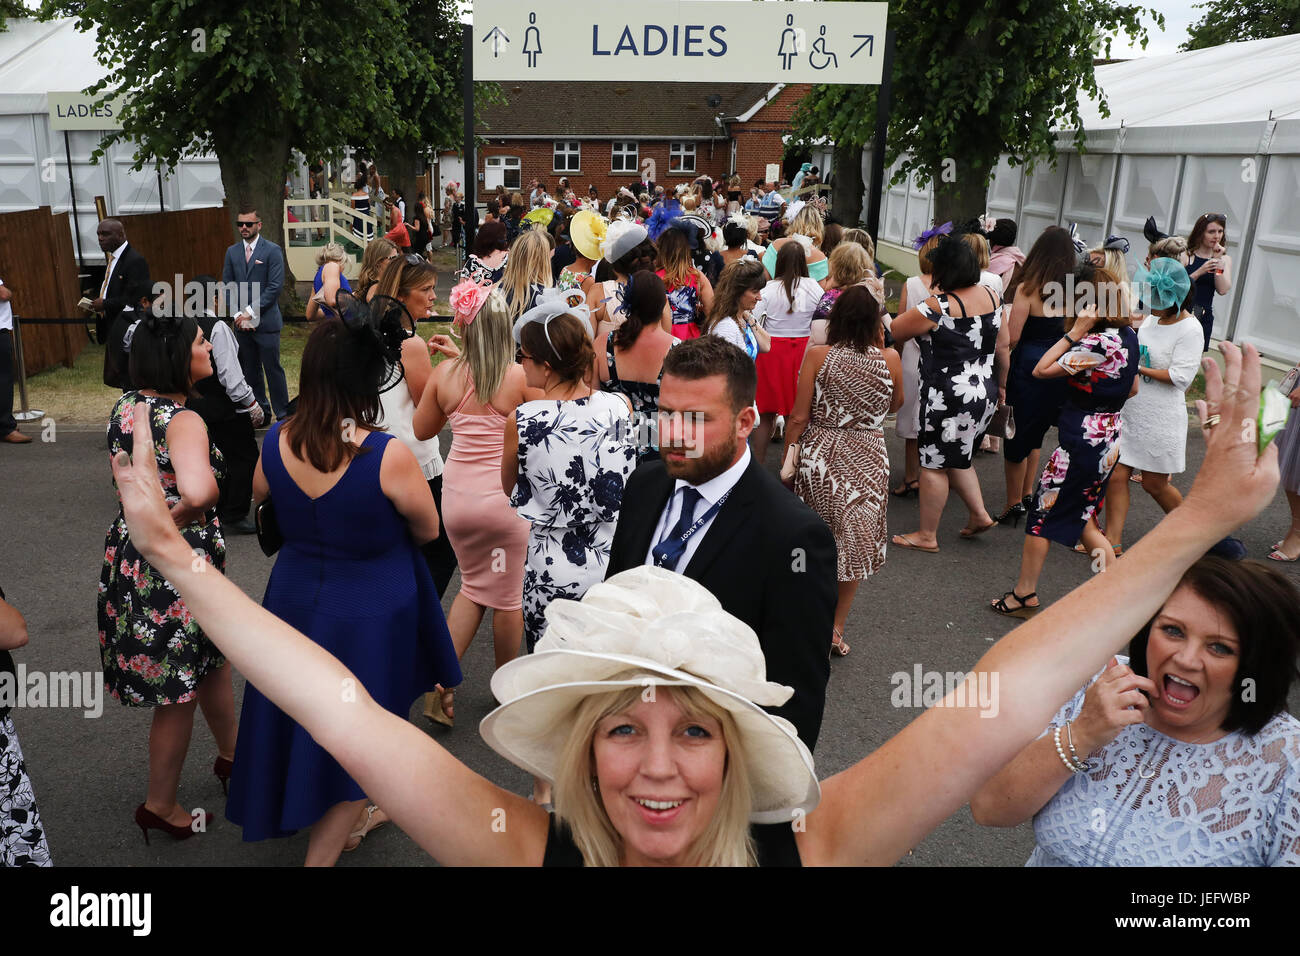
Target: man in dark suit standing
708	510
256	267
126	282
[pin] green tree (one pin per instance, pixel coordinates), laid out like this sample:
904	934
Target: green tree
1229	21
251	82
972	79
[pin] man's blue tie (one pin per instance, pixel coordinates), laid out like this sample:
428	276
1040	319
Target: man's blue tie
669	551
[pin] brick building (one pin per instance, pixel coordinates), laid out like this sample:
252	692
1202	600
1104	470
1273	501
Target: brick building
607	134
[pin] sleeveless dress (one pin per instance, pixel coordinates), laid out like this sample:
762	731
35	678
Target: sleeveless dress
1153	432
350	577
1205	293
152	649
1073	484
316	283
1151	800
907	423
644	397
844	465
684	301
1037	401
490	539
959	392
574	458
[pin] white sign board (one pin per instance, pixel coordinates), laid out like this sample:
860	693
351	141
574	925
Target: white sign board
78	111
679	41
773	173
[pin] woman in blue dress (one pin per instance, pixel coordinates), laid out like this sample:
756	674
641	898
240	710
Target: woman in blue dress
353	507
1210	266
328	282
1161	760
1099	359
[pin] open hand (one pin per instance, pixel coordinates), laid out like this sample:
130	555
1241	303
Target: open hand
1235	482
148	519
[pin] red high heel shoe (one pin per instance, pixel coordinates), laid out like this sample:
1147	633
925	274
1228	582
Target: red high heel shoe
222	768
147	820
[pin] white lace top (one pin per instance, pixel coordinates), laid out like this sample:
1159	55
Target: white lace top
1152	800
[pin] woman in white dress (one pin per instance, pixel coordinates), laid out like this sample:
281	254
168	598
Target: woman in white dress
907	424
1153	433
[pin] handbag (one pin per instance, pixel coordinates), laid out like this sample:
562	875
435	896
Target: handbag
1003	424
791	464
269	535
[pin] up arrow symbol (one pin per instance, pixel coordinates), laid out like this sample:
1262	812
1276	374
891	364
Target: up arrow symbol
499	41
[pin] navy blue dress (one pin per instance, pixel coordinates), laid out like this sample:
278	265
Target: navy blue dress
1205	293
1073	484
1037	401
350	577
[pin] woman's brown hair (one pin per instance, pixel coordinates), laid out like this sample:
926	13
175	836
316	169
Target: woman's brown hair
854	320
566	349
791	266
1197	235
674	256
737	278
320	430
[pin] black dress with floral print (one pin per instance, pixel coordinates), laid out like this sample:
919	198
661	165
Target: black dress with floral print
153	650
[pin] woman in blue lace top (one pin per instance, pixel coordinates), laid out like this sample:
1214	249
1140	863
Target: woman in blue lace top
1183	754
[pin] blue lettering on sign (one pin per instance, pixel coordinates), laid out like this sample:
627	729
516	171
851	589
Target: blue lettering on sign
694	40
715	35
686	41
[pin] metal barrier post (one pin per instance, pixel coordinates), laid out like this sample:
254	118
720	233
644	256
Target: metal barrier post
24	414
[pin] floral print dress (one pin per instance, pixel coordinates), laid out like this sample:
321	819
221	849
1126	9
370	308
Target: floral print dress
152	649
1073	484
958	392
574	458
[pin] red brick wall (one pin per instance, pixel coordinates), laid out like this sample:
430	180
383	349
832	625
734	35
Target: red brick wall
758	141
537	160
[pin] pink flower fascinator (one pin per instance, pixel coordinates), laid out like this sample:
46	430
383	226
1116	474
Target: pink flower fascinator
467	297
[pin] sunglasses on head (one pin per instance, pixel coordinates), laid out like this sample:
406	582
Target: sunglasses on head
1218	217
413	259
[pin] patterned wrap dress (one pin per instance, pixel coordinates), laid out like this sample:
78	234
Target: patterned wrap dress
574	458
1073	483
843	470
958	391
152	649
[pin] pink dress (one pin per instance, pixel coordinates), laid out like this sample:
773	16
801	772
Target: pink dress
489	538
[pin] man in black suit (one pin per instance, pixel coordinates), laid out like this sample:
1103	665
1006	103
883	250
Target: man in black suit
126	282
766	557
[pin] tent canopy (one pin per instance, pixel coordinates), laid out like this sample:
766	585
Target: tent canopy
37	57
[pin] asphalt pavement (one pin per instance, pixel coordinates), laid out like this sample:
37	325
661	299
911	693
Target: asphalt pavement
89	773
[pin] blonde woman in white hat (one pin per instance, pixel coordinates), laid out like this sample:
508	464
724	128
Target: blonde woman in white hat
642	702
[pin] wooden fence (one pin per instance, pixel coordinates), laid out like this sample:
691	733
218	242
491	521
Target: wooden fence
185	242
37	263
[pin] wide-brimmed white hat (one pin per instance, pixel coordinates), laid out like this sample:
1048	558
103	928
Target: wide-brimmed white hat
648	627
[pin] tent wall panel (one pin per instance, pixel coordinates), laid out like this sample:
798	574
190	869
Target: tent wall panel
1270	308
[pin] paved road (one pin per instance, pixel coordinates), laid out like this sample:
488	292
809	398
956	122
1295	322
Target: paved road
89	774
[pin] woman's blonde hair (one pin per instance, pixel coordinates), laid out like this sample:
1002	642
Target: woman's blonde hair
372	262
808	222
689	202
923	255
331	252
1170	247
862	238
529	264
980	245
849	265
578	805
1116	263
674	257
489	346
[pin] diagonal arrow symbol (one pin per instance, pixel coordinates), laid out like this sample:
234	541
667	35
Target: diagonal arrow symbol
869	40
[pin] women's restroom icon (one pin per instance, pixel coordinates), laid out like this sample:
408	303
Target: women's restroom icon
532	41
789	42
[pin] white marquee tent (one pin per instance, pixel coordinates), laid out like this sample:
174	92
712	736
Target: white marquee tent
1214	130
36	58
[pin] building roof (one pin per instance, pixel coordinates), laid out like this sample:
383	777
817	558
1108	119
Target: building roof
634	110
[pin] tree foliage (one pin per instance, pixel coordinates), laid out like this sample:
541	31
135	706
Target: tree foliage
1230	21
973	79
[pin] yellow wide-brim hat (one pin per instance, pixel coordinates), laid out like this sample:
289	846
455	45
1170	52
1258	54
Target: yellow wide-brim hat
587	232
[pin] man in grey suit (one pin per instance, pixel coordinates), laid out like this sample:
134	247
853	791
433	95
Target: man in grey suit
255	266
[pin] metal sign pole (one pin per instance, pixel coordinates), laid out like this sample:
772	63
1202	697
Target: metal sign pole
883	96
72	195
471	165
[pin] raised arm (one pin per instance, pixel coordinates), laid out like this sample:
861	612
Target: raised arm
444	806
877	810
914	322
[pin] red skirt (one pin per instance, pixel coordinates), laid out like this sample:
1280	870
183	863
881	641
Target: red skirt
778	374
686	330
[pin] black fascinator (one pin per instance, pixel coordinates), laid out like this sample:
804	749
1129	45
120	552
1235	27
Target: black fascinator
373	364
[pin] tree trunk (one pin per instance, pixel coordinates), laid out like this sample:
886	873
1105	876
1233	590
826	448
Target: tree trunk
252	174
848	190
961	189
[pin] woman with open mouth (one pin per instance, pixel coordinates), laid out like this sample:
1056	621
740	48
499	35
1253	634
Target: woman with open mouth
644	701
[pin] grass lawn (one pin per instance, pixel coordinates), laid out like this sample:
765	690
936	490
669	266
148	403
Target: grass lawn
78	396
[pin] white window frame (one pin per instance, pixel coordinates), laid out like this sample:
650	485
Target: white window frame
566	150
502	162
681	151
620	150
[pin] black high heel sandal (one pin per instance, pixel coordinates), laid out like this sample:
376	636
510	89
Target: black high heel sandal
1012	515
1024	611
909	489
